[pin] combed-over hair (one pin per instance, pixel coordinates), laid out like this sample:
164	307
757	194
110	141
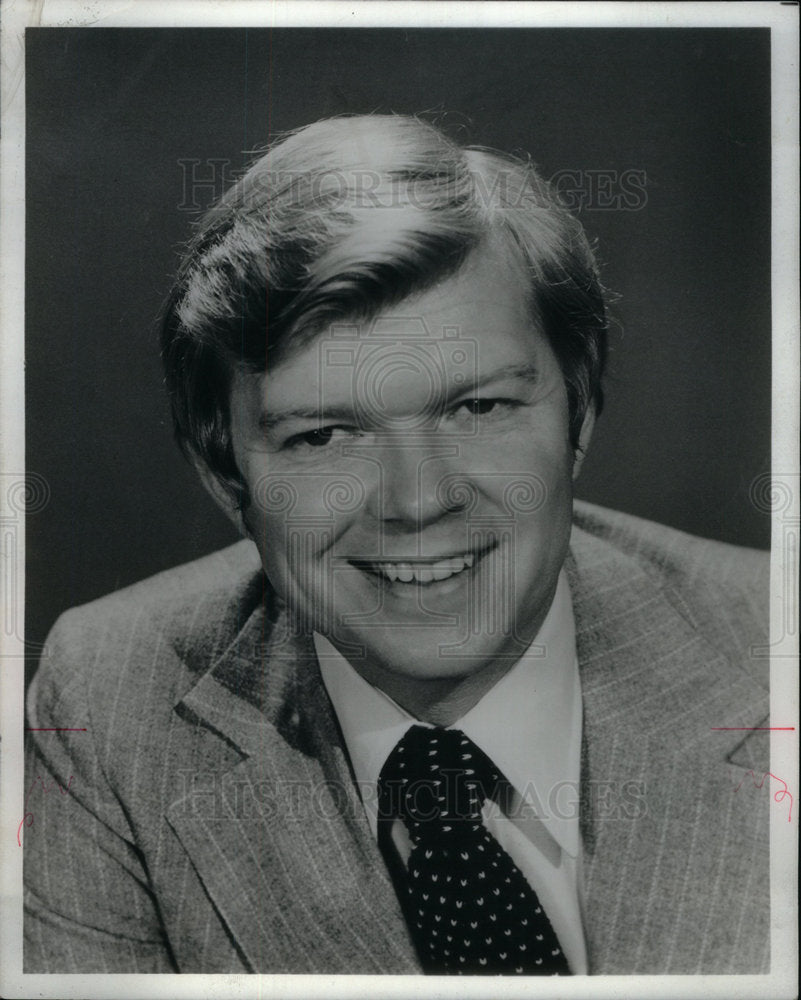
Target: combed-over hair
340	220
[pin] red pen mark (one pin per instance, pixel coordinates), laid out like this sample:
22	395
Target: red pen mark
753	729
27	819
55	730
778	796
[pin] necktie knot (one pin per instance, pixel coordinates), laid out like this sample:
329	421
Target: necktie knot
436	781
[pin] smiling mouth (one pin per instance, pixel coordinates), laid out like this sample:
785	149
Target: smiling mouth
420	571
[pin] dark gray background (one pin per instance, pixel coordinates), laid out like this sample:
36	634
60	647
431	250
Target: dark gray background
111	113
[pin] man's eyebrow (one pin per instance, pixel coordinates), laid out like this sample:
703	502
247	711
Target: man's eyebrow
269	421
526	373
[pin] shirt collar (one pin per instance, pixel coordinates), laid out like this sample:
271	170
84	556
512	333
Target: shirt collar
529	723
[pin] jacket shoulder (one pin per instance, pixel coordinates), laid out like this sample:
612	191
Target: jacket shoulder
214	579
668	551
180	618
722	589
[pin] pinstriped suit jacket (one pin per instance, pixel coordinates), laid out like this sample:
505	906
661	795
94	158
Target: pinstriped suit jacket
211	823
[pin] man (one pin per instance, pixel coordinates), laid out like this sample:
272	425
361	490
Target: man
428	716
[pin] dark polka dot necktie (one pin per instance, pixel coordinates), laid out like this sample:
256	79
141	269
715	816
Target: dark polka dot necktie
469	908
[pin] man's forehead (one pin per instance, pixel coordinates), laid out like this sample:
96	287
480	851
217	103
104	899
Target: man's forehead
490	281
466	329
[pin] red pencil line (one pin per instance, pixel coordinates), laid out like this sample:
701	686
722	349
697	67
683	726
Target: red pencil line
753	729
55	730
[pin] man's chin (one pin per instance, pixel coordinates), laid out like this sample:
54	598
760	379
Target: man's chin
439	688
439	659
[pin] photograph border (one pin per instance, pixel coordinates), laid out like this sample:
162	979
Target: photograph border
782	492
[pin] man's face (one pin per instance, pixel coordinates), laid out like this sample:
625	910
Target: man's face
411	483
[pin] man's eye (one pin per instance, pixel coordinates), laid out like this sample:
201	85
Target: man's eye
321	437
496	405
476	407
317	438
492	408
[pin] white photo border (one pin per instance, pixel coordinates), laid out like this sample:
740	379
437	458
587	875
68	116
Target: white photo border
782	19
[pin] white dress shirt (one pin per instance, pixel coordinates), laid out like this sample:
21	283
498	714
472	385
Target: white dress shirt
529	725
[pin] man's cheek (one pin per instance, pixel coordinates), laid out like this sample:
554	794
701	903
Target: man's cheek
299	567
270	538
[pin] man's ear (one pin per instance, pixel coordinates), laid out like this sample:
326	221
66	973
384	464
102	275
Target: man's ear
222	498
584	440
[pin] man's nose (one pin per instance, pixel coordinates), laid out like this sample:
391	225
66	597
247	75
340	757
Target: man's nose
415	477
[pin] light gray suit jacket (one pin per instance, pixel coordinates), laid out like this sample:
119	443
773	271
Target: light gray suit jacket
211	822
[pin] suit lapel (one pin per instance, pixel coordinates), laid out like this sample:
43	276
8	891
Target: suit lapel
287	859
659	817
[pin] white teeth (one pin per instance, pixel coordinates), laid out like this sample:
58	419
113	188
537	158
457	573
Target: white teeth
407	572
